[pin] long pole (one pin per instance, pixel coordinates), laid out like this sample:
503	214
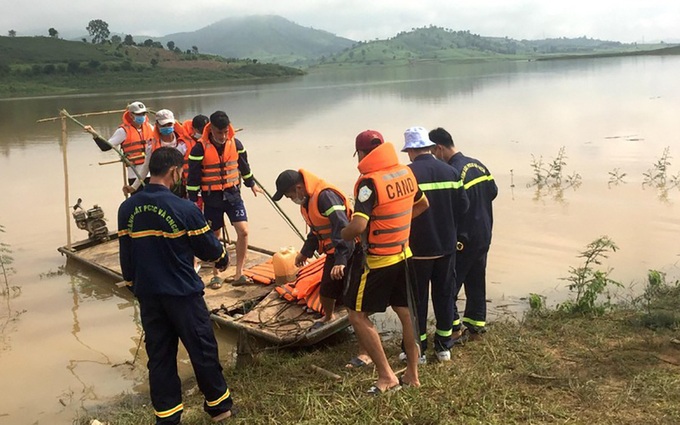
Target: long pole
64	141
279	210
123	158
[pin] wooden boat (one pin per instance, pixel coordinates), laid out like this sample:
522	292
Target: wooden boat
255	309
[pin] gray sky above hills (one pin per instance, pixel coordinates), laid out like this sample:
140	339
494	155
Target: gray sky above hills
619	20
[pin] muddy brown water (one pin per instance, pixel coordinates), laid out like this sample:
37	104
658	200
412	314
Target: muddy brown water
65	328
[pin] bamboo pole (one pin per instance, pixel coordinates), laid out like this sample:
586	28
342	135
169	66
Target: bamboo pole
125	179
88	114
279	210
64	141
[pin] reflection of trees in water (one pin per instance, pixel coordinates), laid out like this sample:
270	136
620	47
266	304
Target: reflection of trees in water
8	292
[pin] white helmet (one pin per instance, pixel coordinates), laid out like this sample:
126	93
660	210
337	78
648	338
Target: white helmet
136	108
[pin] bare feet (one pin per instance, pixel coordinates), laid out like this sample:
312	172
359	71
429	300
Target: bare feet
222	416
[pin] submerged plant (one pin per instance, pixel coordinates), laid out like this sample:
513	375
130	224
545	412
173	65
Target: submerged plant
589	282
6	261
551	175
616	177
657	175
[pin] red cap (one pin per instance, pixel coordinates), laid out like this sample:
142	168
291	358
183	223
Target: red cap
367	140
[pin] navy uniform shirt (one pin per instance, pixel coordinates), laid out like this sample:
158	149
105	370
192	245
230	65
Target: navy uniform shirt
480	187
159	235
434	232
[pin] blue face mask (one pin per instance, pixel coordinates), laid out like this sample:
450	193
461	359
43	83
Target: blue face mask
139	119
165	131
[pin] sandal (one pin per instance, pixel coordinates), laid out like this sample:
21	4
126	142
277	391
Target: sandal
215	283
242	280
356	363
375	390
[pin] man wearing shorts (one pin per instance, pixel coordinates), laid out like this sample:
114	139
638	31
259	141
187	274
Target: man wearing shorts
217	163
387	197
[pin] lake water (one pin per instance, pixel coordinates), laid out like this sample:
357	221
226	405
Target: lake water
64	328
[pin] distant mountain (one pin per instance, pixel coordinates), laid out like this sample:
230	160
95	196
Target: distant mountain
268	38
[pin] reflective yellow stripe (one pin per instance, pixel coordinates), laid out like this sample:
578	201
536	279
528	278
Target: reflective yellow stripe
195	158
443	333
477	180
199	231
146	233
333	208
362	215
241	151
219	400
247	176
122	233
440	185
193	188
477	323
169	412
423	337
380	261
456	322
362	286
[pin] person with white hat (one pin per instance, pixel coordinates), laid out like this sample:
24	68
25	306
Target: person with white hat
132	136
166	133
433	240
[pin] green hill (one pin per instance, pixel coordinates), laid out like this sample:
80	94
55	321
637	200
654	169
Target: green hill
267	38
443	44
43	65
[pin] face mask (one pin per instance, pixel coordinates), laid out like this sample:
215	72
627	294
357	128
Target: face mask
197	136
139	119
178	182
166	131
299	201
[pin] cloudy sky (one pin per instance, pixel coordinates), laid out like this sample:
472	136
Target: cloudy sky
620	20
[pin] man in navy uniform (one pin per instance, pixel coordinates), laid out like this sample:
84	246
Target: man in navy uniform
159	236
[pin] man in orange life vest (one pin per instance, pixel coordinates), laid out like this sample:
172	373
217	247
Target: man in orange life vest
387	197
132	136
166	133
326	211
217	163
194	128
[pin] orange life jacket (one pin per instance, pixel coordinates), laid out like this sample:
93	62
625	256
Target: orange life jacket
219	171
317	222
261	273
305	289
395	186
134	145
189	130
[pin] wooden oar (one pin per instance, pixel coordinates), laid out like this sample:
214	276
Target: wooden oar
123	158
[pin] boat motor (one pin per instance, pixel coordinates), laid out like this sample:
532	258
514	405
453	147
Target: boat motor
91	220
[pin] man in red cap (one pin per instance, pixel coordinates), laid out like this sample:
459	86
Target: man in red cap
387	197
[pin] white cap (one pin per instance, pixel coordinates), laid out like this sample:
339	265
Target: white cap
164	116
136	108
416	138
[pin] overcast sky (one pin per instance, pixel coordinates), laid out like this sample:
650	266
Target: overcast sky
619	20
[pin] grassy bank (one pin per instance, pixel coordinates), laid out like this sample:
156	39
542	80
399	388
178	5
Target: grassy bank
614	366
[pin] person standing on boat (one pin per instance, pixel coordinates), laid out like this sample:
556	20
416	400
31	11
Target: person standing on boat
132	136
474	232
193	128
387	197
166	133
326	211
159	235
433	240
217	163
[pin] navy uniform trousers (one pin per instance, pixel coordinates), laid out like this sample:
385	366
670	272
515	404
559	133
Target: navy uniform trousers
166	319
438	274
471	274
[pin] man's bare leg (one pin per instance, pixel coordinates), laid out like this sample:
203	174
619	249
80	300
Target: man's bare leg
369	339
412	349
241	228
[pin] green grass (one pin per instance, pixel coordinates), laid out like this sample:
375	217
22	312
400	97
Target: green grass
549	368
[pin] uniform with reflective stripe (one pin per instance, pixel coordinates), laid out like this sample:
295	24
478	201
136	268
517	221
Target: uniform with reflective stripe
134	146
319	221
395	187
